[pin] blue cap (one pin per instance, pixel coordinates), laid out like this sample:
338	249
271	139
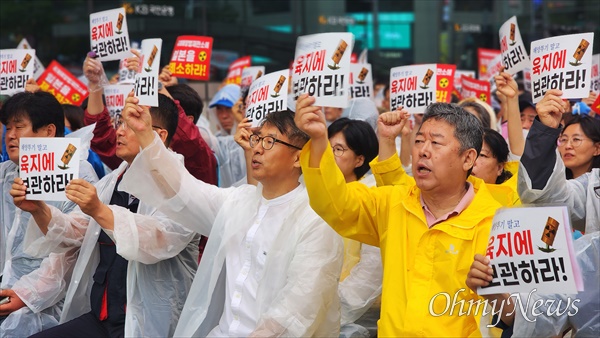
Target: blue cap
227	96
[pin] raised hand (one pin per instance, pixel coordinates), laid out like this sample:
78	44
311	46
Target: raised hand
242	134
310	118
31	86
92	69
551	108
166	77
138	119
83	193
391	124
506	84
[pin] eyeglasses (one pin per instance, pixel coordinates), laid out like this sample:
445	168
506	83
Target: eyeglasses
120	123
268	142
338	150
575	141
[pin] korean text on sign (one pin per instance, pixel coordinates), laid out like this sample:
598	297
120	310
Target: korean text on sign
266	95
531	248
322	68
16	67
146	82
109	36
562	62
65	87
413	87
47	165
361	80
514	53
191	57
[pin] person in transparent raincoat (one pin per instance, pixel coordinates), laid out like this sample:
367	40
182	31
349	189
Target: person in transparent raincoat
230	157
156	261
542	180
271	265
35	296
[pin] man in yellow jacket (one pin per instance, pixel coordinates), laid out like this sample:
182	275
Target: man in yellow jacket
428	232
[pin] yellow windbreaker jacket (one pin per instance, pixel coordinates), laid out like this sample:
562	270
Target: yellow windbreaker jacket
424	290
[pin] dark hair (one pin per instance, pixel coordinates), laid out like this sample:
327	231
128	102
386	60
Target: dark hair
360	137
40	107
74	114
482	113
166	116
499	148
591	129
468	130
188	99
284	122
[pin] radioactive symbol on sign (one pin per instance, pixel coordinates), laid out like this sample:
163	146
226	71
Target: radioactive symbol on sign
483	97
202	56
444	82
75	97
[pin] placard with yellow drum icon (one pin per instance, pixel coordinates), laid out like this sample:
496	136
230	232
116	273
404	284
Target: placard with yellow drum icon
47	165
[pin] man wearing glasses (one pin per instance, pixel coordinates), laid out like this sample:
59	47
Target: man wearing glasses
271	265
135	265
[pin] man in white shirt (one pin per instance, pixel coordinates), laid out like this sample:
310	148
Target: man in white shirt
271	265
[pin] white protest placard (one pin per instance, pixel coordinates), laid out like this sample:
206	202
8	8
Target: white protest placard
146	81
457	74
16	67
38	67
322	68
595	86
562	62
47	165
249	74
361	80
413	87
268	94
127	76
109	36
531	248
115	96
514	53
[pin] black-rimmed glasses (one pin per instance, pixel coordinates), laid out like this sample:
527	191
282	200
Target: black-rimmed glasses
268	142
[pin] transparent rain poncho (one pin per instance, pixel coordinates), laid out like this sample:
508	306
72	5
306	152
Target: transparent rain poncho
298	291
31	277
162	259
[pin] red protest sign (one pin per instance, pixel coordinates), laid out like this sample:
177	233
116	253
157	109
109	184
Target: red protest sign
234	74
485	56
59	82
445	82
596	105
475	88
191	57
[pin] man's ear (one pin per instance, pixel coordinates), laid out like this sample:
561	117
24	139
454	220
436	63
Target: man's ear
163	134
190	117
297	159
48	131
469	158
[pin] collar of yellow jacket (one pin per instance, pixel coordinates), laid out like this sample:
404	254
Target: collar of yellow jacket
462	225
